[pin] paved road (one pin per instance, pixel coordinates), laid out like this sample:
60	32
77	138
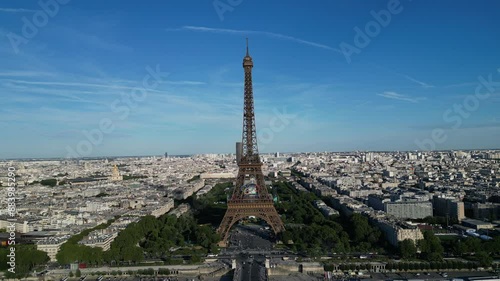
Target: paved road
295	277
133	268
250	268
250	237
249	244
93	278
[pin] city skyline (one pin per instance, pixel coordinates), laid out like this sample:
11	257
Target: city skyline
401	89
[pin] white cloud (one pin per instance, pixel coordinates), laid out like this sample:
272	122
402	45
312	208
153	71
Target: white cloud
247	32
79	84
16	10
23	73
396	96
423	84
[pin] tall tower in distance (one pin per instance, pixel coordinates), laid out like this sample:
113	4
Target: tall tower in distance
239	152
250	196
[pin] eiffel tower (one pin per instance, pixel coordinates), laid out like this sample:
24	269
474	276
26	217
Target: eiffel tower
250	196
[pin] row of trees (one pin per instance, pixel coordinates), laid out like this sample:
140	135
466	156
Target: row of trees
71	251
133	177
317	239
148	271
363	235
211	207
296	208
168	232
150	237
314	234
166	237
438	220
27	258
49	182
306	227
435	265
432	248
470	245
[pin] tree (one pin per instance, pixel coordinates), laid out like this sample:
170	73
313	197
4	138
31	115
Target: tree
413	266
49	182
163	271
470	265
484	259
459	248
472	244
78	273
71	274
27	258
195	259
431	247
407	249
132	253
286	236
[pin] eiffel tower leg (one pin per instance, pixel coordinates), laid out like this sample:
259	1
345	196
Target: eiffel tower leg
229	220
234	214
273	220
225	226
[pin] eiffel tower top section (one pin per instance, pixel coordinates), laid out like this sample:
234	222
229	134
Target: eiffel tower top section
250	153
247	60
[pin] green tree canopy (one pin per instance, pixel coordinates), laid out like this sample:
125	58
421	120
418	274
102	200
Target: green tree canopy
407	249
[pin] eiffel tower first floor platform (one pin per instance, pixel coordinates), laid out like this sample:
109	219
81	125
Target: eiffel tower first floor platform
240	209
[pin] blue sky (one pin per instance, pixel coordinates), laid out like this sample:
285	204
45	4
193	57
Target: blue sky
390	94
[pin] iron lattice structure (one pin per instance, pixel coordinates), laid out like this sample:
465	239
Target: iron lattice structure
250	196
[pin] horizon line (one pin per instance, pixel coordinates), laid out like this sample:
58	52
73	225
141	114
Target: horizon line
232	153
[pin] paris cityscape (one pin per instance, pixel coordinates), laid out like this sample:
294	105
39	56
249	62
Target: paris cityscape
304	145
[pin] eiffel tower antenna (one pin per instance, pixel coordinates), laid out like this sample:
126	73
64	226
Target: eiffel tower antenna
247	48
